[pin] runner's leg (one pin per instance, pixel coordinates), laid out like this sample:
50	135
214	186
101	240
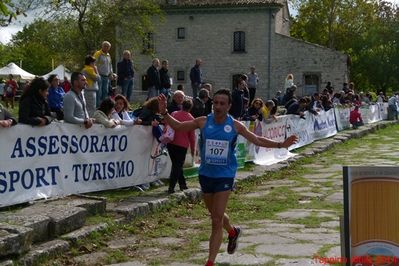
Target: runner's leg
218	202
226	220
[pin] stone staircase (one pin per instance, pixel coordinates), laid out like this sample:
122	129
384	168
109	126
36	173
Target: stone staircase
47	228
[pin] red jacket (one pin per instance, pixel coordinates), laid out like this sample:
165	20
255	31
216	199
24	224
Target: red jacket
355	116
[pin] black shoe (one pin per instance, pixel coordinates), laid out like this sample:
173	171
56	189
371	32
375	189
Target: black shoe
233	241
171	191
184	188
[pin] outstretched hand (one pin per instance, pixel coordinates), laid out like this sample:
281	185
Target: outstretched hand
162	103
289	141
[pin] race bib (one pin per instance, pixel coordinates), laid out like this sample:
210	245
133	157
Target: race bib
216	151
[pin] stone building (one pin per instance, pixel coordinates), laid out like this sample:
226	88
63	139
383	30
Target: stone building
232	35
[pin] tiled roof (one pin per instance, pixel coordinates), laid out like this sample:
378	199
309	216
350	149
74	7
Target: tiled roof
198	3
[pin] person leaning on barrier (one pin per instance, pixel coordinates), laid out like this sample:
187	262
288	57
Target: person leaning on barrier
75	110
298	108
103	114
120	112
55	96
33	106
6	119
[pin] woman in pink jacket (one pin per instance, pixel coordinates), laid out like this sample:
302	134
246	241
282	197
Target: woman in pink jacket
178	147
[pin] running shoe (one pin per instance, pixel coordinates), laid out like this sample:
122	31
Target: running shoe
233	241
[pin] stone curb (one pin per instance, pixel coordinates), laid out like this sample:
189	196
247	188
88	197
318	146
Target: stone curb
85	231
139	206
135	208
47	249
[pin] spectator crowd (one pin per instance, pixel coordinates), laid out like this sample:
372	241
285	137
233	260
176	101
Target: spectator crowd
90	97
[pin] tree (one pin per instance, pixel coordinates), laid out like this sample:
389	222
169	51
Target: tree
9	10
72	29
364	29
98	20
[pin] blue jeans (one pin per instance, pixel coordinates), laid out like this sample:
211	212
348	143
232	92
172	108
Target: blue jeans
103	89
152	92
196	87
127	88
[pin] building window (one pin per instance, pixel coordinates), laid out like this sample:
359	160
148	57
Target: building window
239	41
180	75
181	33
148	43
312	83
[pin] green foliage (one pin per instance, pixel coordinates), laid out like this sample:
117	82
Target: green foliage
365	30
69	30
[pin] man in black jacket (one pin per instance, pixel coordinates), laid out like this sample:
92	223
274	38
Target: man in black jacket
165	79
154	80
126	75
196	77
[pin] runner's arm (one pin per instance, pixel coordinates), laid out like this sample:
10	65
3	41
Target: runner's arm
262	141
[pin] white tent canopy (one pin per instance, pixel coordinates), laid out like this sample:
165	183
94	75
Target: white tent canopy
16	71
60	71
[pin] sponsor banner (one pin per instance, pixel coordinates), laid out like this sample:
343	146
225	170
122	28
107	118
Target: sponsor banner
383	107
274	131
370	114
371	215
324	125
342	117
62	159
301	127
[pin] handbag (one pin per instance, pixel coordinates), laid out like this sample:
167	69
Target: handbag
168	135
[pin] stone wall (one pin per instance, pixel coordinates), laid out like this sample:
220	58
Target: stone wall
282	20
209	36
297	57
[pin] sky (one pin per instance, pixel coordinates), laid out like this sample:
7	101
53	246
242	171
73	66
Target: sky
7	32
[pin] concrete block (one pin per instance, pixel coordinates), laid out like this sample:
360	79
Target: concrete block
14	239
158	203
64	220
84	232
47	249
130	209
94	205
39	224
193	194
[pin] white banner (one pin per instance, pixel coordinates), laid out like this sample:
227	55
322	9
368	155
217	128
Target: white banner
370	114
301	127
383	110
274	131
342	117
324	125
62	159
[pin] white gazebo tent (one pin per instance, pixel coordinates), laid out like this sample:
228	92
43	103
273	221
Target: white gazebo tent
16	71
60	71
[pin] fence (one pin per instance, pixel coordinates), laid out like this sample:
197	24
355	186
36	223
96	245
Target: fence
62	159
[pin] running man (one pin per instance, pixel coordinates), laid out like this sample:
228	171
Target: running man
218	166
